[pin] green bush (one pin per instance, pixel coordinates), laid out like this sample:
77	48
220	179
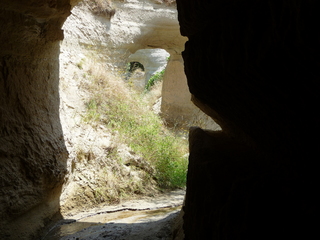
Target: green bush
154	78
147	136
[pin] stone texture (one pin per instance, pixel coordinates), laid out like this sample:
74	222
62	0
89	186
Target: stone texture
136	25
126	36
32	151
252	66
176	105
153	61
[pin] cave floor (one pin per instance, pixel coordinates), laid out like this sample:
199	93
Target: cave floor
143	219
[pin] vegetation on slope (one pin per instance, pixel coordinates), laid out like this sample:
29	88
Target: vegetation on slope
154	79
129	114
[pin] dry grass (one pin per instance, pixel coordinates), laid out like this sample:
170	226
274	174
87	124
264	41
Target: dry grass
153	95
120	109
158	158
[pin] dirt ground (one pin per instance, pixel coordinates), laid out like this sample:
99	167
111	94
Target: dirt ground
143	219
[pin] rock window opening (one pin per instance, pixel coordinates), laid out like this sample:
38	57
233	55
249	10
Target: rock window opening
145	67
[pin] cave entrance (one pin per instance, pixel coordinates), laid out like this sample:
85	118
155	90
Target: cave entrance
117	138
122	142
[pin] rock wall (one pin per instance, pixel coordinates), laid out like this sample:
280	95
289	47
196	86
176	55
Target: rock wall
137	25
176	105
253	66
32	151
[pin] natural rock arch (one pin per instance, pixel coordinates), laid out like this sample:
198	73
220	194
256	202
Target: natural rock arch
126	34
153	60
32	151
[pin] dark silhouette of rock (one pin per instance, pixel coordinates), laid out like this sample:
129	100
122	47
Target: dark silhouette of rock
252	66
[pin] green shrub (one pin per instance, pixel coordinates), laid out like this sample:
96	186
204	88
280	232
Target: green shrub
154	78
146	135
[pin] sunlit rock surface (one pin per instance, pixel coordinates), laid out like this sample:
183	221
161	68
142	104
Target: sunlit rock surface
153	61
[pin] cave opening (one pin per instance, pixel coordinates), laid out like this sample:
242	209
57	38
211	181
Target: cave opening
146	67
118	134
252	181
56	96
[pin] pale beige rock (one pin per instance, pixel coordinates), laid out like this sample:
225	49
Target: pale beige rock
153	61
136	28
34	144
135	25
176	106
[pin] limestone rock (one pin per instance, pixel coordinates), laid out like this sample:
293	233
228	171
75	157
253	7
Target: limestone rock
137	28
176	105
136	25
153	61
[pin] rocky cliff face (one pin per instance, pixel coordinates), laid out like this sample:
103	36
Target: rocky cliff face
32	150
137	26
253	67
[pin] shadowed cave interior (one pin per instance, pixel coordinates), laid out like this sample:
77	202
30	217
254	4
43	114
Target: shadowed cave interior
253	66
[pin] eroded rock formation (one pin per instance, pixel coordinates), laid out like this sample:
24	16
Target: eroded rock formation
135	26
176	105
253	66
153	61
32	150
